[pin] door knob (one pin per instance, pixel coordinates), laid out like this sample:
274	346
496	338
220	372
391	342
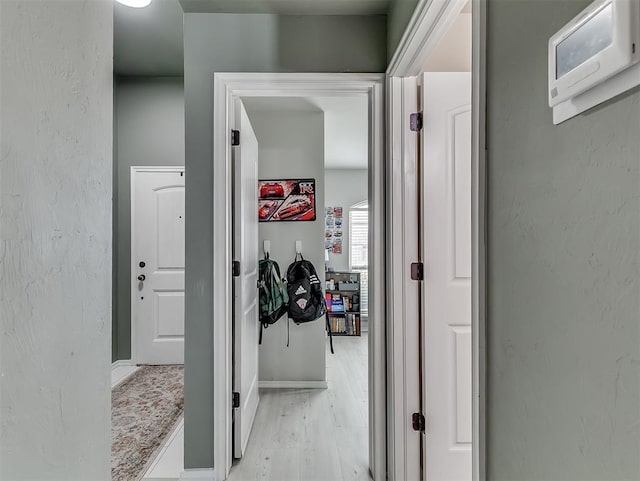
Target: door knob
141	277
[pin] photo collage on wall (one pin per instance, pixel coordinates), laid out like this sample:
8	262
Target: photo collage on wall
286	200
333	230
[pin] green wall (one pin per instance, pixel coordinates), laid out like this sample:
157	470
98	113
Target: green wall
149	130
399	15
563	269
243	43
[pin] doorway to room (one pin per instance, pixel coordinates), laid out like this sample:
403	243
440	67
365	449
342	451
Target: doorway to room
312	416
290	240
435	104
147	391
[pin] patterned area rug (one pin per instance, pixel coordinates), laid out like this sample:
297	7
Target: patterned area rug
144	408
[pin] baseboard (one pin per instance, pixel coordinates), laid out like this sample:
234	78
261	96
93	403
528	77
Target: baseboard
121	363
292	384
198	475
121	370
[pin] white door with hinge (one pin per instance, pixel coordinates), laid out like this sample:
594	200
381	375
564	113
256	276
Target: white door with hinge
446	207
157	264
245	286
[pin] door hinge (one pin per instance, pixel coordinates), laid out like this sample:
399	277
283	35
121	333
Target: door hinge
236	400
417	271
235	137
235	270
418	422
415	122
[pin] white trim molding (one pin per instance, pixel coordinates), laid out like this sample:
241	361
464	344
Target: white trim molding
199	475
430	21
292	384
121	363
403	311
227	87
121	370
478	236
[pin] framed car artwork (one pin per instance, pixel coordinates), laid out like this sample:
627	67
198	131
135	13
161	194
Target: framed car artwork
286	200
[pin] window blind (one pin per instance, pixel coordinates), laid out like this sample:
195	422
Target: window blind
359	251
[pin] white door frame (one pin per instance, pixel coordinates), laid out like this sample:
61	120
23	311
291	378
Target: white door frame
430	21
133	266
227	86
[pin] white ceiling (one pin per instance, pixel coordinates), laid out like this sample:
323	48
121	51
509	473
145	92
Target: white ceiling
148	41
345	125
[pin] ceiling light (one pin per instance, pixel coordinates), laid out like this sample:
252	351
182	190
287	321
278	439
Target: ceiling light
134	3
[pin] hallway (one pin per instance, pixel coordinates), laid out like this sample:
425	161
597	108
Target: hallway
301	434
311	434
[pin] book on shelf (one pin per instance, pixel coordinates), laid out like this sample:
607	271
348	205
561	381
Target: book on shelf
347	324
337	303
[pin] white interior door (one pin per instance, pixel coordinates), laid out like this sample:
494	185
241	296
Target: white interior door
157	265
446	160
245	250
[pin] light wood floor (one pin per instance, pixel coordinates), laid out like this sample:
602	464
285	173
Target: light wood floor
314	434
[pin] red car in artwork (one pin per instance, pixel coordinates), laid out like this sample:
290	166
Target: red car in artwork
266	209
295	207
272	189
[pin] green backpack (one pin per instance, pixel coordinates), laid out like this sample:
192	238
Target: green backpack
274	300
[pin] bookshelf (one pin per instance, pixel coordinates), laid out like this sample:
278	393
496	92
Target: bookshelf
343	302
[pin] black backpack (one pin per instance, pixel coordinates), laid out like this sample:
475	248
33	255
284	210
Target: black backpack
306	298
272	293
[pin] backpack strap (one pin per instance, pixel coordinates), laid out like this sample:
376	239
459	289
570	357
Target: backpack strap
329	331
260	339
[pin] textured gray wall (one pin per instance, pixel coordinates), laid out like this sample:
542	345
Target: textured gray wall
242	43
563	286
292	146
56	106
150	131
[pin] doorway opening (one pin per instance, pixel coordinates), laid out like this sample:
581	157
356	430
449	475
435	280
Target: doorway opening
435	126
147	391
229	88
312	417
148	238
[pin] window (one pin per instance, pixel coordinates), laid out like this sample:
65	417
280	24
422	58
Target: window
359	249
